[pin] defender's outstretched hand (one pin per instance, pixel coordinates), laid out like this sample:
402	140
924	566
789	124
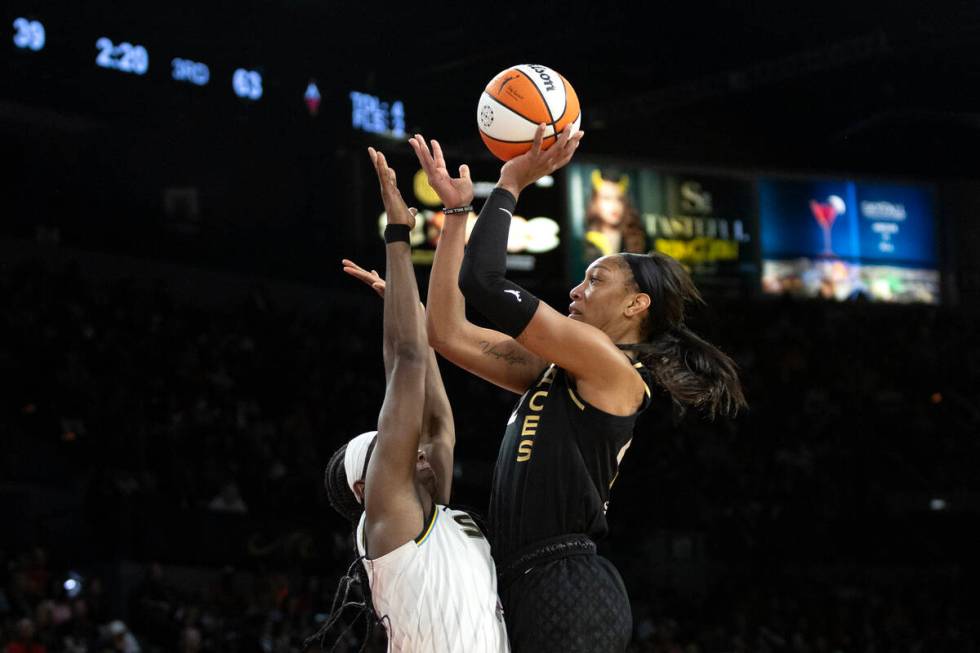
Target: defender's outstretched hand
522	171
372	278
395	208
454	193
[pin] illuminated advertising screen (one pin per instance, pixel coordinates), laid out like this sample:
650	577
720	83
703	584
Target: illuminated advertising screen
706	222
895	224
535	248
849	240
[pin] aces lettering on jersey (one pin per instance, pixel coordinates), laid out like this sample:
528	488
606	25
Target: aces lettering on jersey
533	419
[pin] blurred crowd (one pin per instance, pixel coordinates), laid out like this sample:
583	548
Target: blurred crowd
140	427
42	610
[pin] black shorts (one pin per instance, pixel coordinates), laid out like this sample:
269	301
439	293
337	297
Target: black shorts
575	604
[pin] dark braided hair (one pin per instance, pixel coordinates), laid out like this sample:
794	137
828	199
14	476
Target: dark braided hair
342	500
692	371
338	491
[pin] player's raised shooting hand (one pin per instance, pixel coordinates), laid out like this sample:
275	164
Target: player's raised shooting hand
453	192
395	209
372	278
522	171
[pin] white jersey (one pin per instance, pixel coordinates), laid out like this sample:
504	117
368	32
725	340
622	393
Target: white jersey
438	593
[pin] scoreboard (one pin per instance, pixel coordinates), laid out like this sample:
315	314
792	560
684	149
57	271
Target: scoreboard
56	52
187	131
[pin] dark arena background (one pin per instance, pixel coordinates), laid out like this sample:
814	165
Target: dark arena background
181	352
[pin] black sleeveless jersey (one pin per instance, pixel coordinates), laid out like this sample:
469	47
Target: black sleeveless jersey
557	463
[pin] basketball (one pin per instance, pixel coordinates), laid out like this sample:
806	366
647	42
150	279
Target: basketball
520	98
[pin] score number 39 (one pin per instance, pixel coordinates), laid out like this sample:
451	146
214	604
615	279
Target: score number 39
29	34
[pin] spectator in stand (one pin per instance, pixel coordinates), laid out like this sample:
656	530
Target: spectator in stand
25	642
119	639
81	635
190	640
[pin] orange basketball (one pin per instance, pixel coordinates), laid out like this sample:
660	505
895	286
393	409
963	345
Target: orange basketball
517	100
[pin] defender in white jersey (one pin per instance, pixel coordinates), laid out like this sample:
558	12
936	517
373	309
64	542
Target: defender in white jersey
437	592
432	580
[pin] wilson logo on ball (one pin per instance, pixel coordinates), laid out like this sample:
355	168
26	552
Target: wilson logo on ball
549	84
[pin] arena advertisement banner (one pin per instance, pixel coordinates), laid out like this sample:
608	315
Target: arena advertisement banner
535	246
710	226
807	218
706	222
896	224
849	240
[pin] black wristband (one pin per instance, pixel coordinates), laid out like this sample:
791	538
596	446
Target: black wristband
459	209
397	233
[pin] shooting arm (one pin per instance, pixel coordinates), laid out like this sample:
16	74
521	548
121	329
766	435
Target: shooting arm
489	354
604	375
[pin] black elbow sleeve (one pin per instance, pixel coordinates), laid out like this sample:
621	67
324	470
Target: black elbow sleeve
482	277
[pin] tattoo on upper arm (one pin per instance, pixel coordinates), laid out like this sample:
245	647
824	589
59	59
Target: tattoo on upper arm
506	354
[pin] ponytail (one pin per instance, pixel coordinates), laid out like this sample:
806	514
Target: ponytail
692	371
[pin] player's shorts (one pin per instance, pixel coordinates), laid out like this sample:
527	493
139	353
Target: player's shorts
560	596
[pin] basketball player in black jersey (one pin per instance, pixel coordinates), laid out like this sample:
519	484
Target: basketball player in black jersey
584	379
